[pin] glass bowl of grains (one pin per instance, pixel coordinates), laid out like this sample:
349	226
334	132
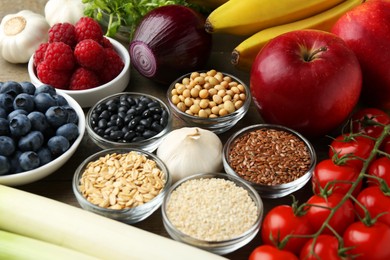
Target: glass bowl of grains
124	184
274	159
210	100
216	212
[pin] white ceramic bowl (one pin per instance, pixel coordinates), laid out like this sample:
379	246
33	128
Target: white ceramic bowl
27	177
88	97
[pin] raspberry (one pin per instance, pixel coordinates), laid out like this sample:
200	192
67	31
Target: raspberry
88	28
63	32
39	54
89	54
106	43
55	78
59	56
83	78
113	65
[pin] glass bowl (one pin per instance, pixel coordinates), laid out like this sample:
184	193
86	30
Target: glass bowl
135	181
221	123
274	159
88	97
149	143
226	195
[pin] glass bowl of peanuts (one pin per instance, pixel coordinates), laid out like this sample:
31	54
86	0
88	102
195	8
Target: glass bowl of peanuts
216	212
124	184
212	100
274	159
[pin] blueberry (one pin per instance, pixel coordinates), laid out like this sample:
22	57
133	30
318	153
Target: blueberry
12	88
16	112
7	146
5	166
31	141
20	125
6	102
58	145
56	116
3	113
4	126
14	161
61	101
43	101
72	115
70	131
45	89
24	101
38	121
29	160
44	155
28	87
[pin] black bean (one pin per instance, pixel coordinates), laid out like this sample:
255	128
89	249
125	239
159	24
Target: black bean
140	129
148	134
156	127
138	138
134	122
128	136
116	135
105	114
146	122
102	123
112	107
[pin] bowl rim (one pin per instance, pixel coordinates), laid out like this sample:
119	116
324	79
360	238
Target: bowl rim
279	187
221	243
98	138
79	171
121	50
243	109
18	178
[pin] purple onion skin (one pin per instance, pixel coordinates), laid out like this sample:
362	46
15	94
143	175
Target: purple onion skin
169	42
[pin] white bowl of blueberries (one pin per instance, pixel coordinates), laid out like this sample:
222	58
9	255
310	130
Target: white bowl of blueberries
40	129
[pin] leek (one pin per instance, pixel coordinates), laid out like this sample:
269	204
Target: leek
48	220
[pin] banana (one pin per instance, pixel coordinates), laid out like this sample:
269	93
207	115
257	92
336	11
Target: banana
246	17
245	53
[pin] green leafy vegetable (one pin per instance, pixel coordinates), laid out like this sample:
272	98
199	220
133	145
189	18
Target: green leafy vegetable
126	13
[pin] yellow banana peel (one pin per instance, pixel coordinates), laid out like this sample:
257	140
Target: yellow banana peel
246	17
244	54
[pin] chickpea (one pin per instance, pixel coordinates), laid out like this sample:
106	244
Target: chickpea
175	99
208	111
235	89
229	106
219	76
227	79
204	103
189	112
203	113
226	98
242	96
194	92
185	81
221	93
238	104
212	73
212	91
223	112
181	106
194	75
217	99
215	110
241	88
199	80
230	93
174	92
213	81
207	85
195	108
186	93
203	93
224	84
180	89
213	116
188	102
233	84
212	104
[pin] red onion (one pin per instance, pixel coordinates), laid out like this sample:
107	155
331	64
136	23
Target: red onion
169	42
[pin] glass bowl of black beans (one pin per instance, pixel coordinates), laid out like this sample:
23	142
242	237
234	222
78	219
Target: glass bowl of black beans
129	119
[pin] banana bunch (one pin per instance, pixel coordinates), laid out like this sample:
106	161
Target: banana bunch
263	20
244	54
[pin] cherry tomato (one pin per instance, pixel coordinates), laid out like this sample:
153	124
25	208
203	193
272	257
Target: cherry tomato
368	242
319	211
374	114
386	145
359	146
380	168
267	252
325	247
282	221
328	171
375	201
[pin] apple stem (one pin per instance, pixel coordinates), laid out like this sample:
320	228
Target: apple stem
309	56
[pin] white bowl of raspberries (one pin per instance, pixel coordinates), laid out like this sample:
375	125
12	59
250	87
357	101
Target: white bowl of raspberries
81	62
40	129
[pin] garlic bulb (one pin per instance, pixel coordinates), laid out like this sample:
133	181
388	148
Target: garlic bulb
61	11
21	34
190	150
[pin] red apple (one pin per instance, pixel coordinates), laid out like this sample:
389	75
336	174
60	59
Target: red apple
366	30
308	80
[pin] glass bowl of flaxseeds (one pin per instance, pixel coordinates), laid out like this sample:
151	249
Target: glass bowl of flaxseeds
274	159
125	184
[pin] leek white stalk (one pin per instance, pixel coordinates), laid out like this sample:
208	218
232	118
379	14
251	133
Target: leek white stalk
14	246
55	222
191	150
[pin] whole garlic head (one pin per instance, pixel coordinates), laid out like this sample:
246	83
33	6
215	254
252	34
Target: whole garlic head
190	150
21	34
63	11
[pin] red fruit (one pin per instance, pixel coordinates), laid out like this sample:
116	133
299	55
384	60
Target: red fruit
90	54
88	28
83	78
106	43
39	54
59	56
113	65
63	32
55	78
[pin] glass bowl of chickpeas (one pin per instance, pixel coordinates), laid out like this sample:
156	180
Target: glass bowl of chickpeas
212	100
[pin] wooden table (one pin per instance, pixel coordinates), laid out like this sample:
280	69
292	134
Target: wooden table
58	185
